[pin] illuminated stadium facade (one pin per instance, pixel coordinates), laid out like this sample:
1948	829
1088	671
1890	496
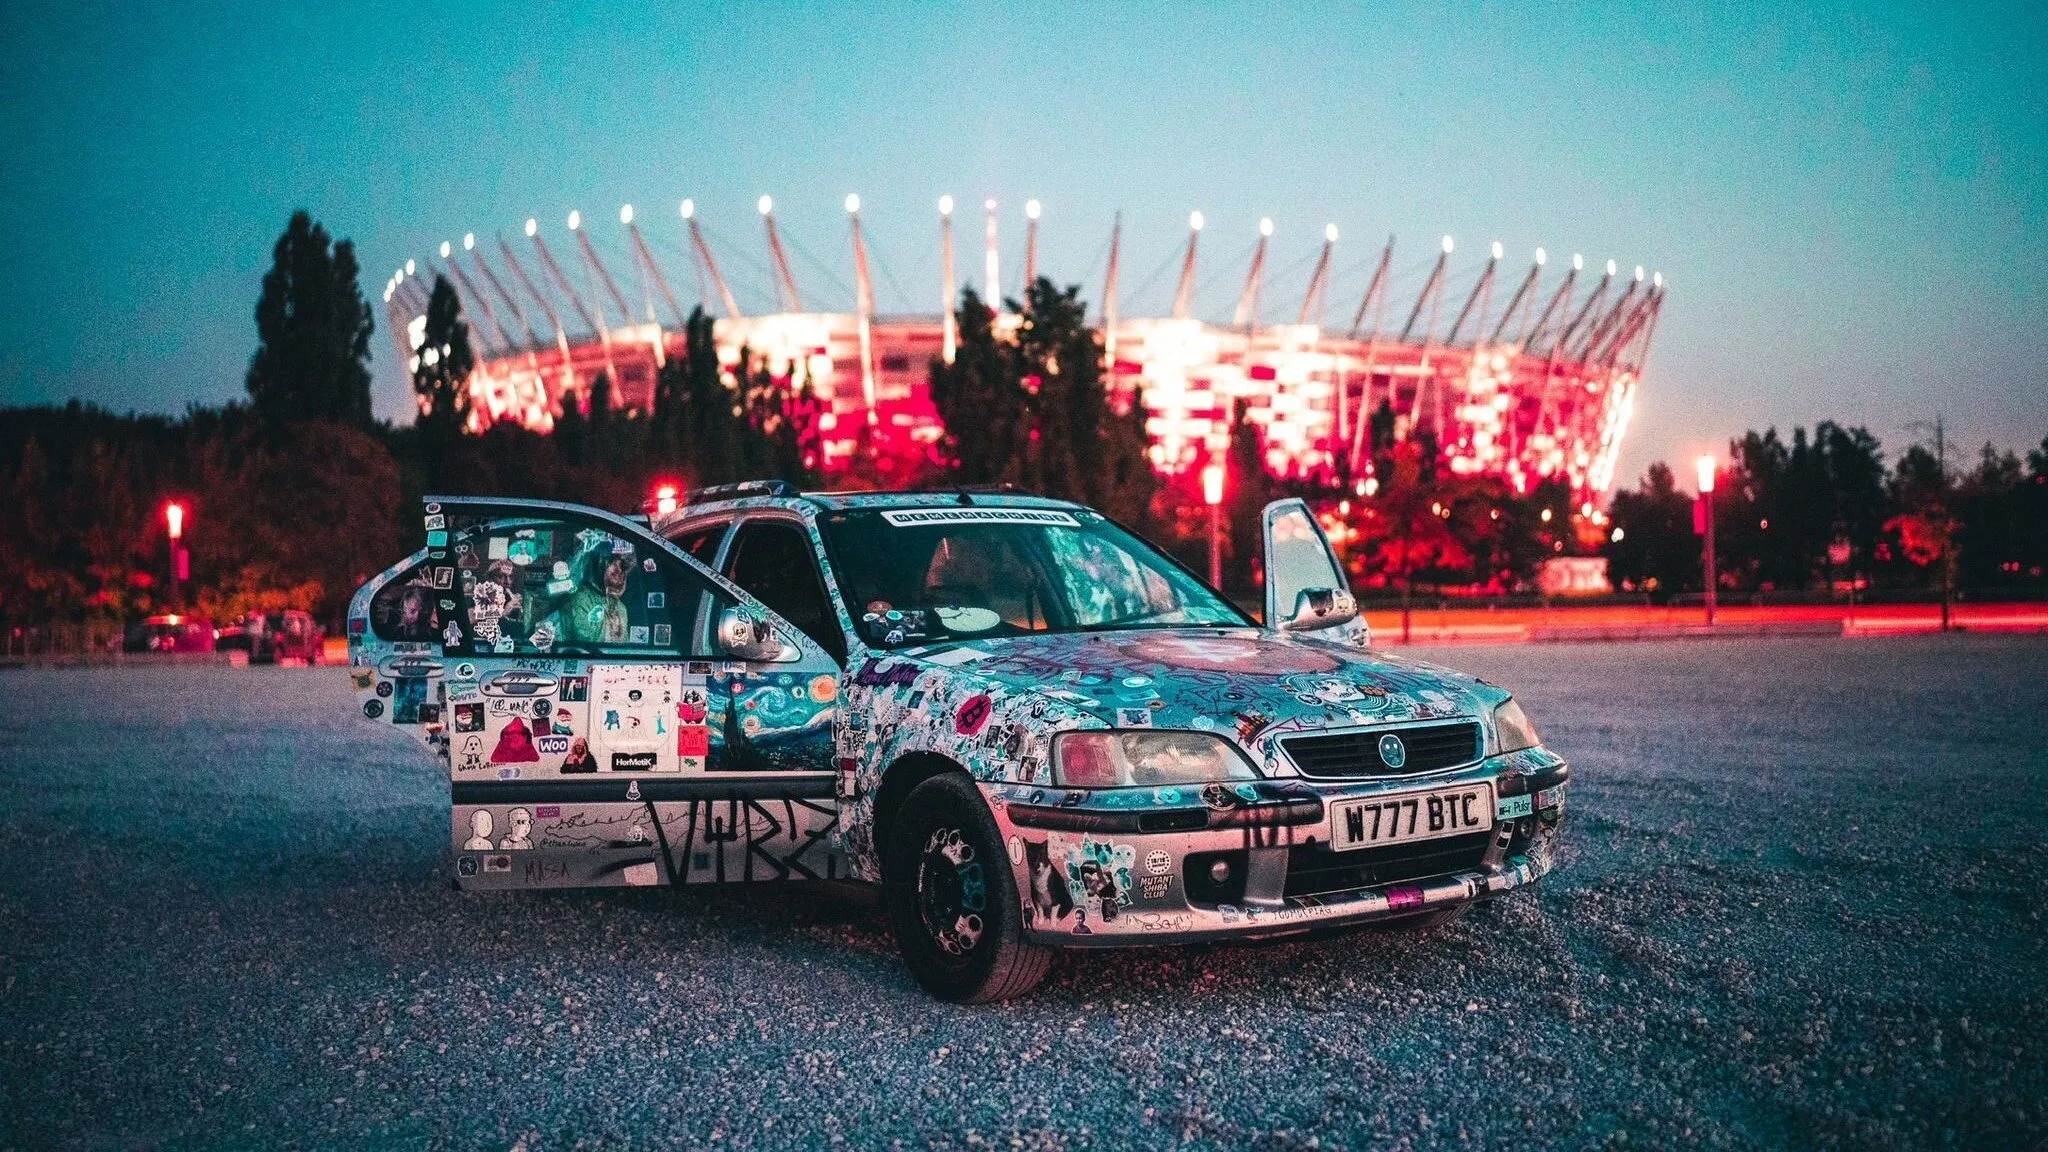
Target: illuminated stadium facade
1523	377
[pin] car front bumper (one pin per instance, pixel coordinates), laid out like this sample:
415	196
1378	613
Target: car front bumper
1137	866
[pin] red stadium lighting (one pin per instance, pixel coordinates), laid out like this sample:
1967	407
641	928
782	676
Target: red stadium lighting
174	519
1541	391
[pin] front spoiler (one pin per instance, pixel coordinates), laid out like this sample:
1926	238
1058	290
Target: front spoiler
1297	915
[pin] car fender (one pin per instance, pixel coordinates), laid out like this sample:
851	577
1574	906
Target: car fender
899	711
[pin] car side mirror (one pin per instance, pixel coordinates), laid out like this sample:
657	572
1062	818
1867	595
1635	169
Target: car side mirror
744	636
1319	608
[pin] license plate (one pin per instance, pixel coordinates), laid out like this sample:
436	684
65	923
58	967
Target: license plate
1379	821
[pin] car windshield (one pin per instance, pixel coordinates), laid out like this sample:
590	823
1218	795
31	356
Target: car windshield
916	575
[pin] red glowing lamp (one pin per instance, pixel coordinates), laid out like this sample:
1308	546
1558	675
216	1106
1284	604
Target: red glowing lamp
174	519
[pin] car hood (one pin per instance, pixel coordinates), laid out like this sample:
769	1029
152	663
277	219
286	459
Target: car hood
1250	685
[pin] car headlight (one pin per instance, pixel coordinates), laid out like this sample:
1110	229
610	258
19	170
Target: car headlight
1512	731
1145	759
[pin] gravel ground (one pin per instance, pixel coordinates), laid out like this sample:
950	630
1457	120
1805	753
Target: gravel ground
1800	904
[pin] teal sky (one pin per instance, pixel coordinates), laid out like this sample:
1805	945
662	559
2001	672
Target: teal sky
1848	201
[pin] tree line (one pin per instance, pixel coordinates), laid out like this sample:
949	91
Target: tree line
297	494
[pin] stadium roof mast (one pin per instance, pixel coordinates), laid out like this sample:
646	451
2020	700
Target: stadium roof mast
991	265
1247	314
703	250
474	302
948	321
787	298
594	319
1525	295
1116	235
1432	297
1319	281
611	286
1539	328
1375	301
547	308
864	308
652	271
1184	295
1482	294
1031	210
1606	324
491	278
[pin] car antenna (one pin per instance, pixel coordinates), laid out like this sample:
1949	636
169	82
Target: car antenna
966	497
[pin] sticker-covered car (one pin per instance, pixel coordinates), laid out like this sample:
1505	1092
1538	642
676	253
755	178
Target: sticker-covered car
1032	729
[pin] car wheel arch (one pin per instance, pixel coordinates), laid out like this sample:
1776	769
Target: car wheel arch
899	780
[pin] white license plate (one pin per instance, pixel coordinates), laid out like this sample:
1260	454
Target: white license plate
1378	821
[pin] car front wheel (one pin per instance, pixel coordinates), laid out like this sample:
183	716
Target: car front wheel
949	899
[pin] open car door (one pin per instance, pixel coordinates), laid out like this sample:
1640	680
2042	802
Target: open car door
1305	586
394	646
616	713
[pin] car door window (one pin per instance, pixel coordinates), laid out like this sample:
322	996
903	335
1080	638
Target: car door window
408	608
773	560
701	542
535	587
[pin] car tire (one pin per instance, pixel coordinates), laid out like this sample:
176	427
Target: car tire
950	900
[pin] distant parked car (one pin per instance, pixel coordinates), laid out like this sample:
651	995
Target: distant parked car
171	634
290	636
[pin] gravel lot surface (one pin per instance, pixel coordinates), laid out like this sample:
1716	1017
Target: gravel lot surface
1801	903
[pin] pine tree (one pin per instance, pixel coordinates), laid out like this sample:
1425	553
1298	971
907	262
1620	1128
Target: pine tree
441	379
312	330
981	402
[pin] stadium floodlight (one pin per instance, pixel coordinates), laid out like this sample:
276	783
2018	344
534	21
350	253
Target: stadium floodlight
1499	250
1639	272
1448	245
1578	262
1265	225
988	205
945	205
689	209
1031	209
532	225
1706	466
1330	233
765	205
469	241
1611	268
1541	256
575	219
1657	279
410	268
446	248
852	204
625	213
1195	221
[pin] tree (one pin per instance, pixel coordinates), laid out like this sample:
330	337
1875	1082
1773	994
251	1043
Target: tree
1247	489
313	332
698	428
981	403
1657	551
440	379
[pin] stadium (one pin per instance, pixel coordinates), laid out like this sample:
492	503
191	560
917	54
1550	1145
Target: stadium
1526	377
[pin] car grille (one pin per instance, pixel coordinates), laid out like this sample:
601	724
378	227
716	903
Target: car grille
1430	747
1314	868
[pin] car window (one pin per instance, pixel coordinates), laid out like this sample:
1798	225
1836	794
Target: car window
773	560
918	574
535	586
407	608
701	542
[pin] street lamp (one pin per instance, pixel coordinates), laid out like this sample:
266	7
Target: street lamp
174	523
1212	495
1706	478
